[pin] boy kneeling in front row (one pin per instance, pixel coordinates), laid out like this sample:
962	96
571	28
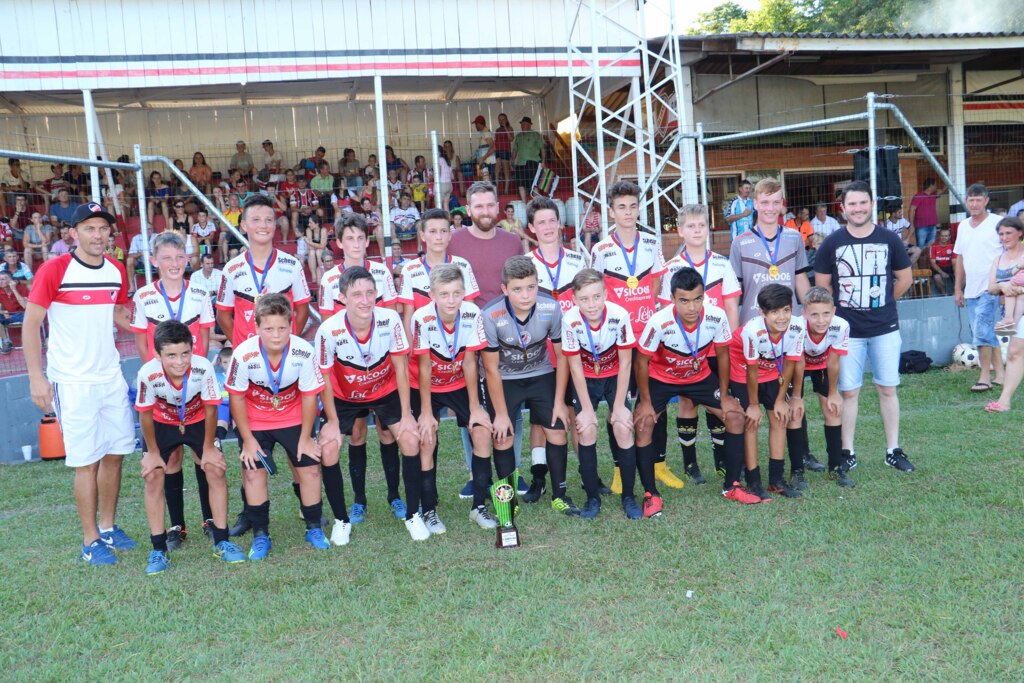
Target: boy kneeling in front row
177	402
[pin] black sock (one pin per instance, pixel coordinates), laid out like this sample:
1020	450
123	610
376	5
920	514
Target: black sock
413	484
538	471
222	432
389	460
159	541
481	475
733	457
203	487
243	498
219	535
754	477
588	469
297	491
645	456
428	496
334	486
614	447
795	440
627	470
660	438
717	429
311	514
776	468
558	463
504	462
174	494
834	446
259	517
357	471
686	428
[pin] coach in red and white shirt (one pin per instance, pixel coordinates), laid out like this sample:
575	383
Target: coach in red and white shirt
84	294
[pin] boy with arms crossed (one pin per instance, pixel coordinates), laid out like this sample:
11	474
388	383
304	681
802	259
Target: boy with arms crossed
177	400
274	384
598	343
673	361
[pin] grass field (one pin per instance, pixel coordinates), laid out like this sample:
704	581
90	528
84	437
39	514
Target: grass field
924	572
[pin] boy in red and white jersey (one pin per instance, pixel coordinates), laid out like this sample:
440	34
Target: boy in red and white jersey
674	351
767	357
435	233
598	343
556	265
365	352
83	295
177	400
827	339
722	289
352	238
447	336
274	383
261	270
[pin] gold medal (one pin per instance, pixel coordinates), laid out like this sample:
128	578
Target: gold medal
773	271
696	364
597	368
181	427
276	402
256	300
633	282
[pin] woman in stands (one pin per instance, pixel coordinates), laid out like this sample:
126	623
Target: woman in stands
181	223
503	137
158	194
456	164
201	173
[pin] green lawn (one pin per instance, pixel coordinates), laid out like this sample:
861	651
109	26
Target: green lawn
923	571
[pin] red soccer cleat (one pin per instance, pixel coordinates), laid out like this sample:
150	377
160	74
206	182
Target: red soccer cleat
652	506
740	495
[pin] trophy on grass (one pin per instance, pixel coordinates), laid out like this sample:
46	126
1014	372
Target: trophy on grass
503	495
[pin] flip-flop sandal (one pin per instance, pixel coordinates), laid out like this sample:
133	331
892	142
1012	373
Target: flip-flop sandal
981	387
996	407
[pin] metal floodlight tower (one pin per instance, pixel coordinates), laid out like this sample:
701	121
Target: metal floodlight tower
662	156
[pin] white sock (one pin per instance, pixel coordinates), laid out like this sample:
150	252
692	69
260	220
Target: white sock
539	455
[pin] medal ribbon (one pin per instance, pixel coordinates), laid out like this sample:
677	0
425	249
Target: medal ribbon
167	300
275	382
184	395
558	272
519	331
707	259
780	358
631	267
767	250
366	264
426	267
590	337
694	348
364	354
252	269
453	345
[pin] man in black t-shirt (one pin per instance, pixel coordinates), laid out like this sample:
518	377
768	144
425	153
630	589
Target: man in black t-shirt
867	269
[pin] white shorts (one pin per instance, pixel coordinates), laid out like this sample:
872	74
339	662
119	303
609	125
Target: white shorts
95	420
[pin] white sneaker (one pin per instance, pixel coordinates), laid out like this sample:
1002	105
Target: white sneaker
433	522
483	518
417	529
341	533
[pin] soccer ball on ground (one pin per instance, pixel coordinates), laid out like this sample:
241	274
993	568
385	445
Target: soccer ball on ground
966	355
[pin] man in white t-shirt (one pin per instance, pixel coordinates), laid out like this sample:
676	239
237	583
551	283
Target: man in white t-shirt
977	246
822	223
83	294
899	225
404	217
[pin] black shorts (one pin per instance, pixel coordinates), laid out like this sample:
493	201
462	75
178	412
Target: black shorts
767	393
233	242
598	389
525	174
456	401
704	393
819	381
387	409
168	438
536	393
288	437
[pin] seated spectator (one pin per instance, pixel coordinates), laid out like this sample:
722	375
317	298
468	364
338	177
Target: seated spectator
590	233
941	260
200	173
371	166
158	194
77	182
420	179
303	202
350	169
204	231
21	218
514	226
207	276
323	184
326	263
228	184
64	244
15	267
13	299
403	218
134	262
55	183
1003	279
308	167
113	251
901	226
6	233
290	183
37	239
107	195
241	160
181	223
802	224
63	209
229	244
822	223
370	189
815	241
395	163
17	180
317	239
395	187
272	162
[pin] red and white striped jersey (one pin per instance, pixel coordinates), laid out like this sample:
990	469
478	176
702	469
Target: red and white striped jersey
151	309
156	392
446	348
835	340
756	345
416	281
250	375
679	355
330	300
241	286
360	368
563	270
598	347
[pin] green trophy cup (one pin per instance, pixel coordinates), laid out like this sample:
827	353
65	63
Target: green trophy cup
503	495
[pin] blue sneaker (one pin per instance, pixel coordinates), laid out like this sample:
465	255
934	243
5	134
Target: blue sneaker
357	514
98	553
117	539
398	507
229	552
260	548
158	563
631	508
316	538
467	491
521	487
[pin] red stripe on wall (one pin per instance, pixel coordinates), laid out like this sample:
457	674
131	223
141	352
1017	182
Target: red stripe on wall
977	106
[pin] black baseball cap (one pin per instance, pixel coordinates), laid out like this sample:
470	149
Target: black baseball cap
90	210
